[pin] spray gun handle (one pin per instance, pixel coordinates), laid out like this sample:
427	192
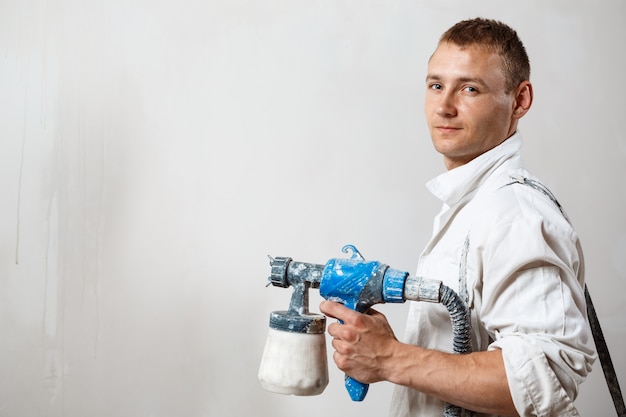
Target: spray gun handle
359	284
356	389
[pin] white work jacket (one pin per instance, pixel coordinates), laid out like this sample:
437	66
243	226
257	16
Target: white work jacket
507	249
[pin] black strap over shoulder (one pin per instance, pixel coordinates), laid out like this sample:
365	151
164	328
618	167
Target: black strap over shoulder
605	357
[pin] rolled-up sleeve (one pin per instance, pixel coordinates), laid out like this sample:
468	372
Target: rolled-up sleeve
533	309
538	386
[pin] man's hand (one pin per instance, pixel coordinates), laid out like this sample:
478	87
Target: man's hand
367	350
362	343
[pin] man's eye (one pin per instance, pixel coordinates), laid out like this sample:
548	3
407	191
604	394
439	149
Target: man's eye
435	86
470	89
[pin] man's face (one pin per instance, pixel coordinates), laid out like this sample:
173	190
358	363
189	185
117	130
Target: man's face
467	108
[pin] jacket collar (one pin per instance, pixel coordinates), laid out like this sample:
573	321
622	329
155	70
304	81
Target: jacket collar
451	186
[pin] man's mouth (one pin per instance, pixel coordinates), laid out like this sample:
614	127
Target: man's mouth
447	129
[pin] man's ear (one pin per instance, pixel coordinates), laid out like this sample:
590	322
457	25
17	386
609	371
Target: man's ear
523	99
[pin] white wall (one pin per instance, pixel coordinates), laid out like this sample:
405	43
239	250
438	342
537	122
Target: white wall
153	153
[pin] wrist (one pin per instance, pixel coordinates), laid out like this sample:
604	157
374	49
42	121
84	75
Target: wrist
402	365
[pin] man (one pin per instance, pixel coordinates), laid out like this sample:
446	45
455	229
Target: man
500	241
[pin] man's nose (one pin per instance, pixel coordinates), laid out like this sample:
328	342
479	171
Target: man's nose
446	106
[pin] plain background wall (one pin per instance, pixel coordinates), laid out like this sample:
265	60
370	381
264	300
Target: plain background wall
152	154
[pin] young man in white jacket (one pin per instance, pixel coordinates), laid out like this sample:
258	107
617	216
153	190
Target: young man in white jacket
501	241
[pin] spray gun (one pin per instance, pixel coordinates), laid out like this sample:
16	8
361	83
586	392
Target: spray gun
358	284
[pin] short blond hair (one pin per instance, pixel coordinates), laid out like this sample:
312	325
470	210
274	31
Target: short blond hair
496	37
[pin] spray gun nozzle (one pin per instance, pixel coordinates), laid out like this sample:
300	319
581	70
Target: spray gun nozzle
285	273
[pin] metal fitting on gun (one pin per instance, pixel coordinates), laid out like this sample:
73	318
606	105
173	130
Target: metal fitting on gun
419	289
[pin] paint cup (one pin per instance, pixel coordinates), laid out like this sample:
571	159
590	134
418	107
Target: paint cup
294	359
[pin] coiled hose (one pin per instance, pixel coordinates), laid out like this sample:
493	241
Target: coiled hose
461	336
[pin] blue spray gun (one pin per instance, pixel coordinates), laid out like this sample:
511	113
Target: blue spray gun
359	284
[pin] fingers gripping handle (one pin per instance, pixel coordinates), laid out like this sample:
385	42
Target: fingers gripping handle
357	390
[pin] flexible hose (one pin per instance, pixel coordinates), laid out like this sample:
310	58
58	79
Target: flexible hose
461	336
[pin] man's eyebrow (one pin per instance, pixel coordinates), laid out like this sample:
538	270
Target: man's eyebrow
473	80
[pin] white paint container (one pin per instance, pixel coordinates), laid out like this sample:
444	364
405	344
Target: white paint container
294	362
